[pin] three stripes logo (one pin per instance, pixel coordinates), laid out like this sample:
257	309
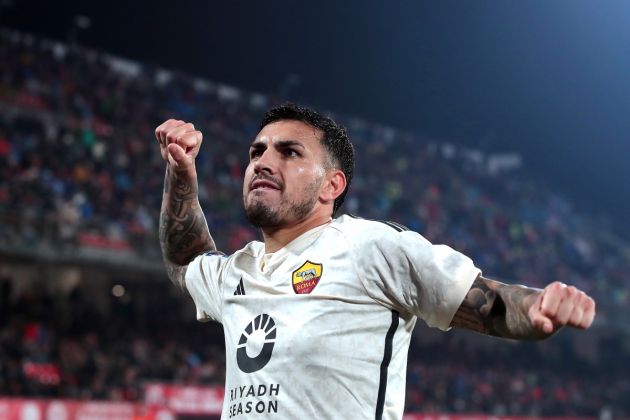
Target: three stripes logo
240	289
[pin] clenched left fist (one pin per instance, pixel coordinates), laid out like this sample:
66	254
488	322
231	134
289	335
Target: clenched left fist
561	305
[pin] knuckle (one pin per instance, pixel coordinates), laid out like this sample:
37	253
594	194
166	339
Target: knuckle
586	300
546	311
167	123
571	292
555	286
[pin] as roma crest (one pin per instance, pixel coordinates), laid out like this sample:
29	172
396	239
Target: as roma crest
306	277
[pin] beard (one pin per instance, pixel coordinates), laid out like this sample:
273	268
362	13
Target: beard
262	215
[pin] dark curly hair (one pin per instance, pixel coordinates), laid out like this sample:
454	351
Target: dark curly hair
335	138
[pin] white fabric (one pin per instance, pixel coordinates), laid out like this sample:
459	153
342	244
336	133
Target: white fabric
326	347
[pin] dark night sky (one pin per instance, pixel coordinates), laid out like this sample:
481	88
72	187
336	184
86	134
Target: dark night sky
548	79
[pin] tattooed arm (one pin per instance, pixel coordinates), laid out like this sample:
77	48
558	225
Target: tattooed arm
183	229
520	312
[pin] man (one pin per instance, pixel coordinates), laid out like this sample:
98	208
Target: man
333	344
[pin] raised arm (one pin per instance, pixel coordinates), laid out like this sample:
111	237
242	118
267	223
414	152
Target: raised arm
520	312
183	229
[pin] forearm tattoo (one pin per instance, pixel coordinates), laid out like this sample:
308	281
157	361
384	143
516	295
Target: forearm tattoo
183	230
499	309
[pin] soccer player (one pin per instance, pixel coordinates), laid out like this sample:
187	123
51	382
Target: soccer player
318	317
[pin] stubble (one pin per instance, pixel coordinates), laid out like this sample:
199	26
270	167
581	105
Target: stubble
261	215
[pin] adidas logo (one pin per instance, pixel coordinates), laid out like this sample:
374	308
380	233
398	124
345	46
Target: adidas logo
240	289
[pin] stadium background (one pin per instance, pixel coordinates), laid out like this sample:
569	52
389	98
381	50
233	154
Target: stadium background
501	130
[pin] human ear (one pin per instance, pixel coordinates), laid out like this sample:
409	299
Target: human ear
334	184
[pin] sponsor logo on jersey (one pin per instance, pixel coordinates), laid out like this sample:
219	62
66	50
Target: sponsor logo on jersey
253	399
258	340
306	277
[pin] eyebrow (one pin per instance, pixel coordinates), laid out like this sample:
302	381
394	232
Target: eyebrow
279	144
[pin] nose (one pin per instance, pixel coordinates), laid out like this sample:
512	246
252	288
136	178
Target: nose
265	163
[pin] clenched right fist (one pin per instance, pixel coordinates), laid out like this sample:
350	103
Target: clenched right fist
179	145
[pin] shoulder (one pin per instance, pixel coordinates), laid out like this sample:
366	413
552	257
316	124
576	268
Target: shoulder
350	223
379	234
253	249
250	251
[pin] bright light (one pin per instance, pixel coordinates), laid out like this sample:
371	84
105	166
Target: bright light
118	290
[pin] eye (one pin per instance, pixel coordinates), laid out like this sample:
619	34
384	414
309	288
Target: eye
254	153
291	152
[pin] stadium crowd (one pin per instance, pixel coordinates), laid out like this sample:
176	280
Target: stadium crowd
79	167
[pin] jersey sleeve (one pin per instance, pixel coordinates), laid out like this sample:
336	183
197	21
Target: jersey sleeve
404	270
204	282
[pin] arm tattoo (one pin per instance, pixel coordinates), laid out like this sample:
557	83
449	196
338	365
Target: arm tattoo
499	309
183	230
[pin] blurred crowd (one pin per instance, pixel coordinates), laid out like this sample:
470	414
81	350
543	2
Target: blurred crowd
527	379
85	353
80	168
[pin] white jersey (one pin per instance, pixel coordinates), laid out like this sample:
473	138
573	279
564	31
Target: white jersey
321	328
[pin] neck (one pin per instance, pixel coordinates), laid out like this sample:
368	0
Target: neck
278	237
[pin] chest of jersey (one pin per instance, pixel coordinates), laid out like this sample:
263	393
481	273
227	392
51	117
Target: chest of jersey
303	325
310	298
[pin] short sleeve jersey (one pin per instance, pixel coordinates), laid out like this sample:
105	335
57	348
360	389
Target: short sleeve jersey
321	328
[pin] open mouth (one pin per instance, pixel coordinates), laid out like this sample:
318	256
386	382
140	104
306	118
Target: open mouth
263	184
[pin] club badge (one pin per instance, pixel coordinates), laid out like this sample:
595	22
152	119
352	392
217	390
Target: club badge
306	277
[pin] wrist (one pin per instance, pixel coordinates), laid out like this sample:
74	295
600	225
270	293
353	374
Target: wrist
180	185
182	175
